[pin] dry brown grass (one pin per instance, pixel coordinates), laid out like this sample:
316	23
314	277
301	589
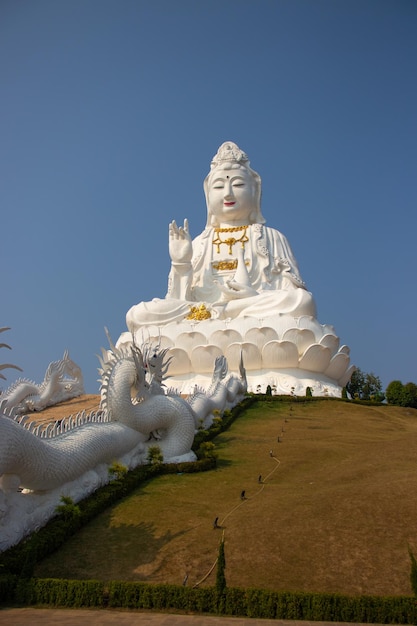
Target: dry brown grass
335	512
70	407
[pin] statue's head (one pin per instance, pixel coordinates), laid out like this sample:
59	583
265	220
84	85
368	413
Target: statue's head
231	161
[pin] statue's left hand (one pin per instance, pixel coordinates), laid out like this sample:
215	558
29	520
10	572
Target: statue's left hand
233	290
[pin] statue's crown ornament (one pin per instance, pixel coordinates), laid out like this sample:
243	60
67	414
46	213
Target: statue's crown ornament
229	152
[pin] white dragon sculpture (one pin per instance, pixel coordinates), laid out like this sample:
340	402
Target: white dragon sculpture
40	463
224	392
63	380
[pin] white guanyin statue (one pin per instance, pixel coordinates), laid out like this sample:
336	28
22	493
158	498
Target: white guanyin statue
236	289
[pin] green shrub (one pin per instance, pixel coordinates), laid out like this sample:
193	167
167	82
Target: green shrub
155	456
117	471
207	450
68	509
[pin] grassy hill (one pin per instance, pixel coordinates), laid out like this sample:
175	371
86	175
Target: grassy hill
335	512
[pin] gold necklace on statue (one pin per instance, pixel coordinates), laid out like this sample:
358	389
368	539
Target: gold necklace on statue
230	241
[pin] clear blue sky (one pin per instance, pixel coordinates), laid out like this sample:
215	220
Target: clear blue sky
110	111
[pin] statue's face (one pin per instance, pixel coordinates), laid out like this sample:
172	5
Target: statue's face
231	195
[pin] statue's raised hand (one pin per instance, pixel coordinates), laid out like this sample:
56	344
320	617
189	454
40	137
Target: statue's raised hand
180	245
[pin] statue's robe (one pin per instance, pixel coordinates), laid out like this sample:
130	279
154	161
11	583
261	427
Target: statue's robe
271	268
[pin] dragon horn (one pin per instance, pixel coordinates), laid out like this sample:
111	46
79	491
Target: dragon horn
138	359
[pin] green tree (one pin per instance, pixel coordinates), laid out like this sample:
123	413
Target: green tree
402	395
365	386
372	388
221	578
355	385
394	392
409	395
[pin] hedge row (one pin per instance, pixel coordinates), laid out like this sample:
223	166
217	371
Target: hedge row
57	592
304	399
253	603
